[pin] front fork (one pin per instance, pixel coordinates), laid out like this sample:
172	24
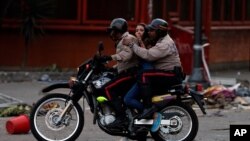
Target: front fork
69	105
77	95
66	110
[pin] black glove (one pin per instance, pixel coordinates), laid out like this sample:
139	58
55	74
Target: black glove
104	58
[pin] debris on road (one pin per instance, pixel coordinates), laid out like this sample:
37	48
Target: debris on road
15	110
220	96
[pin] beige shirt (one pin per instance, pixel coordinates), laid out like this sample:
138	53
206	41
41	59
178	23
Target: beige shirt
125	56
164	55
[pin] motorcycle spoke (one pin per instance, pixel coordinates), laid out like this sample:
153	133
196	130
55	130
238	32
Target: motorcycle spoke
184	124
46	120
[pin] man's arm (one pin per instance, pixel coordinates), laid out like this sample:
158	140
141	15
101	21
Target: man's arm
156	52
124	55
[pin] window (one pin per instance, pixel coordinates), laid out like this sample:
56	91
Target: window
172	5
185	10
247	12
65	9
230	12
80	14
182	9
53	11
158	9
110	9
10	9
223	12
216	10
227	14
238	14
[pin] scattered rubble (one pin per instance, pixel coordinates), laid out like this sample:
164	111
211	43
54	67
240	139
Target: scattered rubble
219	96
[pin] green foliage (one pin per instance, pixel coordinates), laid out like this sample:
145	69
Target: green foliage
15	110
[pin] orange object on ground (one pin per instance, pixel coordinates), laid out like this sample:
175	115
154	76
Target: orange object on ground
18	125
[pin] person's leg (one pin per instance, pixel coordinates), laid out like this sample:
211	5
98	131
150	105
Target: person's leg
153	81
130	98
115	92
146	92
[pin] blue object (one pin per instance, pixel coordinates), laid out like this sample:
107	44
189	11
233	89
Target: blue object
146	65
130	98
157	122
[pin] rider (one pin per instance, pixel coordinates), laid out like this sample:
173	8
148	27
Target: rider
131	98
166	60
127	63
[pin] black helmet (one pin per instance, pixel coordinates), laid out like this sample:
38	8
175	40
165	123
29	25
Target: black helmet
160	25
118	24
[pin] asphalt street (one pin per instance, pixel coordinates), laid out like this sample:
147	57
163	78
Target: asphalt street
212	127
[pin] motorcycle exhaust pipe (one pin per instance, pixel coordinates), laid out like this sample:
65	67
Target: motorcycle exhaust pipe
150	122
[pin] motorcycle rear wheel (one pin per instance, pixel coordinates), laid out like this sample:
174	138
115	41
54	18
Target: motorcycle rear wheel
186	127
44	115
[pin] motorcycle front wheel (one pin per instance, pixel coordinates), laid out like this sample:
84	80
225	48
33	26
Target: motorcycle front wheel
183	124
44	119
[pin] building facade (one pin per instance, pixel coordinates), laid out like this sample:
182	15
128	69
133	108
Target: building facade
73	28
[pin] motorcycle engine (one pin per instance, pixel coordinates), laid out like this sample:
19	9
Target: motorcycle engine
107	119
107	115
102	80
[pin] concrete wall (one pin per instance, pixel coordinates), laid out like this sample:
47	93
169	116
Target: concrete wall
67	49
229	49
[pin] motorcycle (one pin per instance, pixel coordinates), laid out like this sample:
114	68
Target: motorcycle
60	117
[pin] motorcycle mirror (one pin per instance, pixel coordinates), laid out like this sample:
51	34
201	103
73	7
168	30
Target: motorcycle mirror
100	47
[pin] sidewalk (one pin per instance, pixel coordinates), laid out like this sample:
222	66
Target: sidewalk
230	77
235	74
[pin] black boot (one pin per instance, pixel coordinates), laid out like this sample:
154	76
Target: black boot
121	118
147	112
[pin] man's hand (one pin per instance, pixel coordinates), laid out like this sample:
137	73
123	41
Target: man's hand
127	41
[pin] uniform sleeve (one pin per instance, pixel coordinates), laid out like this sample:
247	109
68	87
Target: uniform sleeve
156	52
124	55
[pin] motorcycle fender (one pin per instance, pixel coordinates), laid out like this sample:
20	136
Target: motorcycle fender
198	98
53	87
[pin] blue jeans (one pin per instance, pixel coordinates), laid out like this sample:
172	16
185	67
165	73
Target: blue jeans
146	65
132	96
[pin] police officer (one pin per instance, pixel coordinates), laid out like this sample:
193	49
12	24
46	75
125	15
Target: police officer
165	58
126	66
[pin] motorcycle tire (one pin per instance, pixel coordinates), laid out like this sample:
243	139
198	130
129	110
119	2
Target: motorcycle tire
45	113
181	113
